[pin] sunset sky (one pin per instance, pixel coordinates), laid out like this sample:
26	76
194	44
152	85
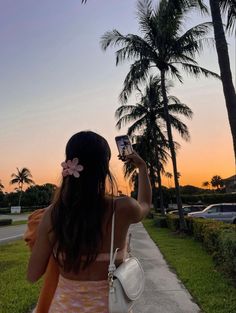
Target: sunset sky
55	80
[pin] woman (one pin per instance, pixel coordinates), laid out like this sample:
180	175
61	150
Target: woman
76	228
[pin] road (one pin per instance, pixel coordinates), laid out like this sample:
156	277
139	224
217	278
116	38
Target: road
10	233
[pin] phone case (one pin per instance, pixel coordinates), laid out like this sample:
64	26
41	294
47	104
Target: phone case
124	145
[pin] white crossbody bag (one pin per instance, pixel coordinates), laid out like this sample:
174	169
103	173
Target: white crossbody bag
126	282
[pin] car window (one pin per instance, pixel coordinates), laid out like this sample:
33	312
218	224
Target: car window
214	209
229	208
186	209
198	208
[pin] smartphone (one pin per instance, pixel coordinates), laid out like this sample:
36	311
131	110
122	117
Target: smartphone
124	145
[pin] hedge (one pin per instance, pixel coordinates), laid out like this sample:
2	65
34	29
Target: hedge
160	221
218	238
209	198
5	222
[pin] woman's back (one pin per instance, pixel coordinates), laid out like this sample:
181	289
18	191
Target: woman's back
98	270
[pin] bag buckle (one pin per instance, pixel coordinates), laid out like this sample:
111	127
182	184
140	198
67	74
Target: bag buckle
110	279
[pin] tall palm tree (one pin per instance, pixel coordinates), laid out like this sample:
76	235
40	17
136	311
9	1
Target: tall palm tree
149	114
228	6
217	182
163	47
169	177
22	177
1	186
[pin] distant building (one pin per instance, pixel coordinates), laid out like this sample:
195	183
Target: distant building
230	184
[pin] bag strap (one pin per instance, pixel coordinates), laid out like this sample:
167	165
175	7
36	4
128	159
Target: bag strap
112	266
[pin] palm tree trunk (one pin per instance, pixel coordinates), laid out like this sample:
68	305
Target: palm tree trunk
159	178
19	202
172	150
152	179
160	190
225	71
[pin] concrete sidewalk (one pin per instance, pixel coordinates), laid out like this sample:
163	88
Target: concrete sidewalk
164	292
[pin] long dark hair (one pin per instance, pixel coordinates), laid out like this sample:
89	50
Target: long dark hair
79	205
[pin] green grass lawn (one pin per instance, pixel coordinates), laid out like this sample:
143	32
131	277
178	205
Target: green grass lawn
18	223
16	294
14	223
211	290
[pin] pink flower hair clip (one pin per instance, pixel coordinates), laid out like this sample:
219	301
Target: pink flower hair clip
72	168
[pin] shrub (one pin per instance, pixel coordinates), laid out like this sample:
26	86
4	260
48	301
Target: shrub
150	215
160	221
218	238
226	254
208	198
5	222
5	210
172	222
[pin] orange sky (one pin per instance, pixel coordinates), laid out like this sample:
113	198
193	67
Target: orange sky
57	81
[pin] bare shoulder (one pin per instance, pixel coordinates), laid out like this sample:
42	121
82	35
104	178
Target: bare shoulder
129	208
46	219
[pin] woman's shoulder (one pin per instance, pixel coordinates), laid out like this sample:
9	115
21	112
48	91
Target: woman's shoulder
46	218
129	208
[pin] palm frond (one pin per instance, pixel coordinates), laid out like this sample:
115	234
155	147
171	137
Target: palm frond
187	5
136	126
14	181
138	73
124	109
111	39
196	70
29	181
144	13
180	108
175	72
128	118
181	128
228	7
191	41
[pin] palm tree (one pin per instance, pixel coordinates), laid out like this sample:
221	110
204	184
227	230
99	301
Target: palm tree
217	182
163	47
22	177
1	186
169	177
227	6
148	114
205	184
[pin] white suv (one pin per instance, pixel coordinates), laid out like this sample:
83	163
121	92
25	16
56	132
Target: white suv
225	212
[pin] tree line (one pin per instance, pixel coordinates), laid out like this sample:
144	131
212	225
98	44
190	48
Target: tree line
34	195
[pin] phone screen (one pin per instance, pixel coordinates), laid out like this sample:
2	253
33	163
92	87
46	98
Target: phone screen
124	145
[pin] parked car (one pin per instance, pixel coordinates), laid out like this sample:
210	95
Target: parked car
189	208
225	212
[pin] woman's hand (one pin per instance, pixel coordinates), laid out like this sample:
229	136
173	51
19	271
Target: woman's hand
134	158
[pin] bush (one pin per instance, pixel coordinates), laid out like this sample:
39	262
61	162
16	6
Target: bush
150	215
5	211
218	238
5	222
226	254
172	222
208	198
160	221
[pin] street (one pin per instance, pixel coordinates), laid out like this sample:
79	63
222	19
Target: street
10	233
